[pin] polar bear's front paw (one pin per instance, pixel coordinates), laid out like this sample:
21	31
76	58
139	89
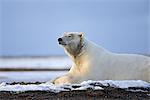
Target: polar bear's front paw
61	80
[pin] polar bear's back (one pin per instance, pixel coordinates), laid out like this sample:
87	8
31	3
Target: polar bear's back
109	65
131	66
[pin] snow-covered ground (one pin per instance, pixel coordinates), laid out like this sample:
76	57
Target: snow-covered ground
35	62
68	87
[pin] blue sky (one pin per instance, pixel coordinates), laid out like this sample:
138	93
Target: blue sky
31	27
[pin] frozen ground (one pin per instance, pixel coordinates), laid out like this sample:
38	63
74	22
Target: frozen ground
95	85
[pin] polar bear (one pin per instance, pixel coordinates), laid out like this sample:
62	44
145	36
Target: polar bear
93	62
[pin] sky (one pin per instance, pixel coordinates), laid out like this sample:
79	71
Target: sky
31	27
149	26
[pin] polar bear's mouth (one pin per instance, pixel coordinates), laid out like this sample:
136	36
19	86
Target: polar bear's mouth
62	43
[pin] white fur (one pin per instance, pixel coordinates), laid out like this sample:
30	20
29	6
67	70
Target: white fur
96	63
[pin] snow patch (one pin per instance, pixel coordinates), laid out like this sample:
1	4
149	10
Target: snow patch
95	85
126	83
31	87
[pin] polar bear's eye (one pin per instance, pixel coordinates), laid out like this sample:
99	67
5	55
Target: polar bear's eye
69	36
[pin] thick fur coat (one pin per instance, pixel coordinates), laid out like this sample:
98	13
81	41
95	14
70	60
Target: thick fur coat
93	62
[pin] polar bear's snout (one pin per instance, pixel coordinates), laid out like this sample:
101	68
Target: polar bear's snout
61	42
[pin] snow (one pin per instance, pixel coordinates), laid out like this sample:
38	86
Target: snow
126	84
121	84
68	87
31	87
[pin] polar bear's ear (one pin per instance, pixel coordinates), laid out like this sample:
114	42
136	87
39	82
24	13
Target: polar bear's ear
81	34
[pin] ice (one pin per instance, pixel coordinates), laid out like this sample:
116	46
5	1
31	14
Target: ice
29	76
52	62
35	62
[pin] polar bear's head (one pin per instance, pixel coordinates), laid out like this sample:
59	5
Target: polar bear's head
72	42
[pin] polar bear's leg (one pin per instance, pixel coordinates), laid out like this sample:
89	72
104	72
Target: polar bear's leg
149	74
63	79
146	74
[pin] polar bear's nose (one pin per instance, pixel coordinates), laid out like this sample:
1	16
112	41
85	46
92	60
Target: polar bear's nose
59	39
